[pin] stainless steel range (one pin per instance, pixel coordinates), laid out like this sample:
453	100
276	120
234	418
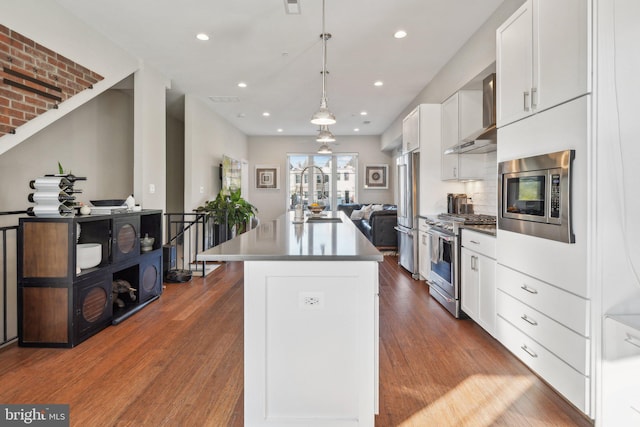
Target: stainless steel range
444	252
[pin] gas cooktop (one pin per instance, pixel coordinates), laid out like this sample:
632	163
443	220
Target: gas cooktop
469	219
451	222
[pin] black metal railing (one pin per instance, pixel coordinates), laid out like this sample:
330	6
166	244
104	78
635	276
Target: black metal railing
192	233
9	279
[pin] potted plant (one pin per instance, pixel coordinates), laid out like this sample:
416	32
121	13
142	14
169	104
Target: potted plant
230	209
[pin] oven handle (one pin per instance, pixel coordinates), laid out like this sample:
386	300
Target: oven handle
435	288
408	232
442	236
402	231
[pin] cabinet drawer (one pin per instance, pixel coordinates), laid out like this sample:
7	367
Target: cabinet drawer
563	307
423	224
566	380
621	364
564	343
479	242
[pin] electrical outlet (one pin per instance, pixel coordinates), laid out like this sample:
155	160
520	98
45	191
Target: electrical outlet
311	300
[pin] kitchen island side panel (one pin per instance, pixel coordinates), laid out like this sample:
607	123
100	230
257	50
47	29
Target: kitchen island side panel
311	343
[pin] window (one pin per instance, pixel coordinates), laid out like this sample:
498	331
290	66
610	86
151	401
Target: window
333	179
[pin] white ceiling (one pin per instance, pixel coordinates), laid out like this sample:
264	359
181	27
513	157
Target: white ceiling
279	56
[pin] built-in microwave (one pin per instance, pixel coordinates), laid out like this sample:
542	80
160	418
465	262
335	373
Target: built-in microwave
534	196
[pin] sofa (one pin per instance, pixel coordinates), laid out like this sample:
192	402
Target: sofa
376	221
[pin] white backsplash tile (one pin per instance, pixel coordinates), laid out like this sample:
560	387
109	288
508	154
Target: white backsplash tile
484	194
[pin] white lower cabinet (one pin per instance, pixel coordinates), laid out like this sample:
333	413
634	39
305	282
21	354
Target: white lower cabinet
563	377
557	338
621	371
424	255
478	278
311	323
547	328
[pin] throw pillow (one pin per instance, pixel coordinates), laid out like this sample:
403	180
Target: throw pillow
357	214
372	209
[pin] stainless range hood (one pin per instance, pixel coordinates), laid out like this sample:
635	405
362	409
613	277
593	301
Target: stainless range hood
483	140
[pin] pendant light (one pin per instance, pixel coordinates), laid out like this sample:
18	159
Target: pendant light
325	135
323	116
324	149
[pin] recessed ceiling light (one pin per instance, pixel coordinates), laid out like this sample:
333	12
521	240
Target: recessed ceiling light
363	113
356	130
266	114
279	129
400	34
378	83
242	84
202	36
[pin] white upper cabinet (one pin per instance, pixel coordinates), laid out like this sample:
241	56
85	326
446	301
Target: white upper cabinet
461	115
542	57
411	131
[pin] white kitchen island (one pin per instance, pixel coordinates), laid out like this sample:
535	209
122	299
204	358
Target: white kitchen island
310	322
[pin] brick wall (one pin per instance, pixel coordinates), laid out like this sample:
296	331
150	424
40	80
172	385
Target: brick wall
34	79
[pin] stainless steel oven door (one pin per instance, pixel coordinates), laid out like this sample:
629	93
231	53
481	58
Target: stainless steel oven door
443	262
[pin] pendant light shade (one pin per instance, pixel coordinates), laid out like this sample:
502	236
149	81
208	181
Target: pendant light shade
324	149
323	116
325	135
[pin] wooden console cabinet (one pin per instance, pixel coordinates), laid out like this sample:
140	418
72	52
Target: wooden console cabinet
60	305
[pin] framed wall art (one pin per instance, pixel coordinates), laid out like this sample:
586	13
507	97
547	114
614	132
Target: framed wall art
376	176
267	177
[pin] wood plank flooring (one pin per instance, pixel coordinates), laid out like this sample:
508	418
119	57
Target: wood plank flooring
178	362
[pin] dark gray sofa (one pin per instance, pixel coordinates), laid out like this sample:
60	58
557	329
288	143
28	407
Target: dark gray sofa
379	228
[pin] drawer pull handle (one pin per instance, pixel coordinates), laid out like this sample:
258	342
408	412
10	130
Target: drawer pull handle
632	340
528	289
529	320
474	242
529	351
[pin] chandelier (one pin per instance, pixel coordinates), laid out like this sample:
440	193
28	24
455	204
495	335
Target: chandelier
323	116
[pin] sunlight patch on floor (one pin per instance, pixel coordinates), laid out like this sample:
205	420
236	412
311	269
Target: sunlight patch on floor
492	396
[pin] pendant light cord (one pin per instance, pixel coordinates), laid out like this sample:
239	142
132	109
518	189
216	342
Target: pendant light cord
324	57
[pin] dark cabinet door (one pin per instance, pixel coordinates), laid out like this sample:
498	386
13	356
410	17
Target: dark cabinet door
93	310
150	284
125	238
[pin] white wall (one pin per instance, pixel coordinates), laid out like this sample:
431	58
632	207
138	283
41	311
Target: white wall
618	155
149	171
273	151
53	27
207	138
95	141
477	55
175	164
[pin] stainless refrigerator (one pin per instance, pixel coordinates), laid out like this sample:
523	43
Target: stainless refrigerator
407	172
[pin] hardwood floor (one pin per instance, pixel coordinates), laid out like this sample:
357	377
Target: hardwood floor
178	362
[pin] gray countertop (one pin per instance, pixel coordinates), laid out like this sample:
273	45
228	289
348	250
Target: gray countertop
631	320
284	240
